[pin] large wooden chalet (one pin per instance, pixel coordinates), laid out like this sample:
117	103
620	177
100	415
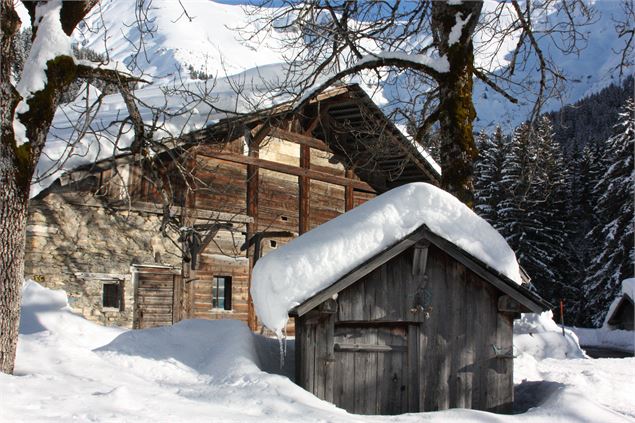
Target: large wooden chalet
226	195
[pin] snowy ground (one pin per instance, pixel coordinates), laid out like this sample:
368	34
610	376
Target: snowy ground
69	369
620	340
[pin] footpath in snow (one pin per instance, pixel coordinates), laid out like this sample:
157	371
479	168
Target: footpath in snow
69	369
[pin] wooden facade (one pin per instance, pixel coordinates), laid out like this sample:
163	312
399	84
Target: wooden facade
250	185
422	326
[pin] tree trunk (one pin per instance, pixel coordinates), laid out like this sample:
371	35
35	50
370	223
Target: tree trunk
17	162
456	109
13	214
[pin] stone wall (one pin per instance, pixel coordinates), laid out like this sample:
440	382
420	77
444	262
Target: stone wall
78	247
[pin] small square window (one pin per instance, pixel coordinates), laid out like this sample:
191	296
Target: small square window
111	296
222	292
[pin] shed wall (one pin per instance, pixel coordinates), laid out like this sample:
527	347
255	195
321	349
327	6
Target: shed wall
457	345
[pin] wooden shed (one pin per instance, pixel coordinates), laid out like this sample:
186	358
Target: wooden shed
421	326
621	315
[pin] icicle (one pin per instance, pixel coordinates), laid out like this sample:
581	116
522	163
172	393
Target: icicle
282	342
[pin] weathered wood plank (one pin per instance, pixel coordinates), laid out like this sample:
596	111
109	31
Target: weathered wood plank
303	140
490	275
304	187
412	374
329	371
291	170
364	347
357	273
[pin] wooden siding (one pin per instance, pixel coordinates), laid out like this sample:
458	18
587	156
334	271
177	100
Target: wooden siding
222	187
410	341
327	202
158	297
200	289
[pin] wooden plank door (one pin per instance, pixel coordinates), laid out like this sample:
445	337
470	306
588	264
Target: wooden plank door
155	298
371	369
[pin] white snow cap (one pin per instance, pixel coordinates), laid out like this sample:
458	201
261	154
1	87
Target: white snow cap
310	263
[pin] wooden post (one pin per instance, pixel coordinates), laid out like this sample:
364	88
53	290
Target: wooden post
253	144
348	193
304	184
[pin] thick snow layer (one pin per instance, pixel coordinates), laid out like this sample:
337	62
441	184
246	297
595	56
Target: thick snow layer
78	137
539	336
289	275
69	369
50	42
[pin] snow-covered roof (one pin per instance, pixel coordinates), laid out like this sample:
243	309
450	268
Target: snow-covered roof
180	110
78	137
312	262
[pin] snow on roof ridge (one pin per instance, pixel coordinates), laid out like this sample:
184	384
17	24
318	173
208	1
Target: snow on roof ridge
310	263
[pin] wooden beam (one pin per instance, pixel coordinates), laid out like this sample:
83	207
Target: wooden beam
369	348
320	118
507	304
312	142
252	211
349	202
304	185
288	169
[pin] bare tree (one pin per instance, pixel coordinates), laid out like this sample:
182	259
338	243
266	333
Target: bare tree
432	45
27	108
150	130
626	31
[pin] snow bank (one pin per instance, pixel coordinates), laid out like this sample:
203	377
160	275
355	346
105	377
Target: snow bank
219	348
70	369
46	312
289	275
623	340
539	336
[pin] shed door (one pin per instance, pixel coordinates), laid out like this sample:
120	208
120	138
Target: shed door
371	368
155	298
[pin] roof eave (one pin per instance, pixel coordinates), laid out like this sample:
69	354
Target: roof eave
532	302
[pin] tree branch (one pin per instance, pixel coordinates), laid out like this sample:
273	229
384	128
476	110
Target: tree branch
480	75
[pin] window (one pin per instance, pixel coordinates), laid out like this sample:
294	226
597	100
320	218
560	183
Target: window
111	297
222	292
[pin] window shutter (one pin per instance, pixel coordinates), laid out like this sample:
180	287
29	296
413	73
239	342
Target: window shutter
228	293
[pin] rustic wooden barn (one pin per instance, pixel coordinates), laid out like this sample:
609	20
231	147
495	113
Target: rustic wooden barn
421	326
236	190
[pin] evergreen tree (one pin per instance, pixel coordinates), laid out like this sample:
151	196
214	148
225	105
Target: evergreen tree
614	256
488	175
533	214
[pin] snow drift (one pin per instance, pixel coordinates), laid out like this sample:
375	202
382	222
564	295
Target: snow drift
71	369
289	275
539	336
